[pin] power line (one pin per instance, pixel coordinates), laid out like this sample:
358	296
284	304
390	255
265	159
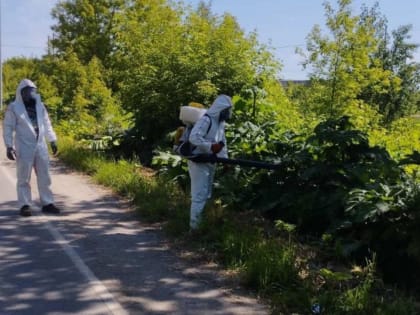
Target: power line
1	68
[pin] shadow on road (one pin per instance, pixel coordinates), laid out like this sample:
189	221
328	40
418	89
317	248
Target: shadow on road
131	259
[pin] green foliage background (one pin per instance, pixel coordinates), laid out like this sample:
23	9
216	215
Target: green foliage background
116	73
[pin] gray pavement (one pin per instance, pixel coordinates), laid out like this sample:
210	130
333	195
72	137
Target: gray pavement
97	258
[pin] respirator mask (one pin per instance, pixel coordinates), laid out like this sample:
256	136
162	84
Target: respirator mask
34	94
29	96
225	114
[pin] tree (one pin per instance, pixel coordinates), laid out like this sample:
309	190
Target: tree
361	69
50	95
88	107
87	27
346	64
147	66
15	70
396	55
169	56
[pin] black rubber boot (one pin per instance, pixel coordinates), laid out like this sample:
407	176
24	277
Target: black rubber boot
51	208
25	211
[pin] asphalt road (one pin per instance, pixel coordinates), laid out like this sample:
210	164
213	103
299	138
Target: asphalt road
97	258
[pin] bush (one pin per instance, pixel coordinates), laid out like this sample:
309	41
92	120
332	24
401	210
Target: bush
335	182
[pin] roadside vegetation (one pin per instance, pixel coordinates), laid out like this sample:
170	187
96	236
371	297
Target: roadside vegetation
333	230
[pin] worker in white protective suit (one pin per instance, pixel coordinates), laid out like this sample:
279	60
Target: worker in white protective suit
26	125
208	136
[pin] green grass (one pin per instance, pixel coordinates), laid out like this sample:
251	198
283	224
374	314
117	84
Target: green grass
275	266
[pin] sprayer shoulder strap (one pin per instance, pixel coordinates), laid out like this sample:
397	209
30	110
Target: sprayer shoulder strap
185	148
208	129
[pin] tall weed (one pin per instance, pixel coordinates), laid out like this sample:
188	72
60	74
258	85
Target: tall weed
271	266
78	158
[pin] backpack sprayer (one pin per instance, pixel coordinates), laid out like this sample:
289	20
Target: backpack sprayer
189	115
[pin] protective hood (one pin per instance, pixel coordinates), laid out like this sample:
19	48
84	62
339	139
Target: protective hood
220	103
24	83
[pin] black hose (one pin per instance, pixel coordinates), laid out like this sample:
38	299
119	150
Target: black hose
212	158
248	163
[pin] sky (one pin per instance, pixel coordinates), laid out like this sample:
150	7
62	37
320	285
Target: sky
281	24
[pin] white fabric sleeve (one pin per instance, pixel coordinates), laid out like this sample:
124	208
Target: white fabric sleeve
9	126
198	134
49	131
224	152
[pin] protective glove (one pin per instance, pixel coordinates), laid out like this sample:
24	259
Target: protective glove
217	147
11	153
54	148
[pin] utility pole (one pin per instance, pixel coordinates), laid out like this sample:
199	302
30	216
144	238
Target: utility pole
1	67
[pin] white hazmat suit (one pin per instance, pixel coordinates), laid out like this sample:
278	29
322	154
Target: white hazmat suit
31	149
202	174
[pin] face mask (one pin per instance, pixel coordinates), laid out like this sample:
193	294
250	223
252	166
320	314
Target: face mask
225	114
34	94
29	97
